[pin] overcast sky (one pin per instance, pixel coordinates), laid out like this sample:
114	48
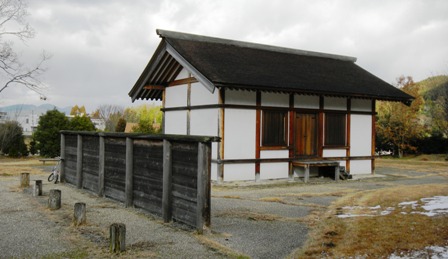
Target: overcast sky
100	47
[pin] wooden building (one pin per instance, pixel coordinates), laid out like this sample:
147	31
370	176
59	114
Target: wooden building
270	105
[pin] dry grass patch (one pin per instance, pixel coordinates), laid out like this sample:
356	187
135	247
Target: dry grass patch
425	163
377	236
220	248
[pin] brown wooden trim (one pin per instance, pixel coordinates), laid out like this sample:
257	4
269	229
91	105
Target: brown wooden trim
320	126
276	148
183	81
258	134
154	87
348	133
373	136
188	105
221	132
336	147
291	136
283	160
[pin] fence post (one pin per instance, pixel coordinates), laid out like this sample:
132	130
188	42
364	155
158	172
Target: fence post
62	164
101	157
54	199
129	172
37	188
24	180
79	163
167	178
203	185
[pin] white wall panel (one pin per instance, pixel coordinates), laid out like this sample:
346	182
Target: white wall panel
334	153
361	135
183	74
176	122
274	171
240	97
214	172
239	172
204	122
202	96
214	150
274	154
275	99
361	105
239	134
335	103
360	167
306	101
176	96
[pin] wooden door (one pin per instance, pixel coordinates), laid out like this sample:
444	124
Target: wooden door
306	134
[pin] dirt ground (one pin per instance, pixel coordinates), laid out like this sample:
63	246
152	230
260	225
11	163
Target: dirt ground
271	219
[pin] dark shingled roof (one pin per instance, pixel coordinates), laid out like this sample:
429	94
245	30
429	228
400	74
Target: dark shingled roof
248	66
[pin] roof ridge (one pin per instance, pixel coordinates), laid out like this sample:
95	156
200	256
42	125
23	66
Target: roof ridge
244	44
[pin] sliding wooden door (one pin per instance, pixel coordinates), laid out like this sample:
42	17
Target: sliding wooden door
306	128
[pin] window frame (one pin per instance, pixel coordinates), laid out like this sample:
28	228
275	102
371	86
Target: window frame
280	142
329	119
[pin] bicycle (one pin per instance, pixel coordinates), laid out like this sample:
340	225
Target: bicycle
55	172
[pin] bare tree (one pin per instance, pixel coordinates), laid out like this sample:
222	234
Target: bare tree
14	25
110	114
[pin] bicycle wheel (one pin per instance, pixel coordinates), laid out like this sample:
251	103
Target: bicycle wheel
56	179
51	177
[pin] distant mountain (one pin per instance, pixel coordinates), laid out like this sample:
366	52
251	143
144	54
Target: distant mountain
433	87
24	109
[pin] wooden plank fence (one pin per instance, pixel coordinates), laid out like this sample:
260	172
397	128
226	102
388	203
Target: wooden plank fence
166	175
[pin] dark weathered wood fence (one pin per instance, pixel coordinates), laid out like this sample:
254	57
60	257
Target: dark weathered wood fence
167	175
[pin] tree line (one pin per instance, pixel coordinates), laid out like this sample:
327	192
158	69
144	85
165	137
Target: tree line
45	141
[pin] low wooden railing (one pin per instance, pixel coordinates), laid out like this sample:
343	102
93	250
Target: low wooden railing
166	175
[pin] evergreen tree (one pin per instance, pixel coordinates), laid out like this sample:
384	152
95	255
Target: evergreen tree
47	134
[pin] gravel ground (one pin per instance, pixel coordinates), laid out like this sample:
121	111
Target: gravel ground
259	220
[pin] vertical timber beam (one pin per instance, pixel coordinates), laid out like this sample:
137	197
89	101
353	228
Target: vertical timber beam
101	158
291	135
320	141
129	183
79	163
167	179
164	112
188	104
258	136
373	135
348	136
221	121
203	185
62	169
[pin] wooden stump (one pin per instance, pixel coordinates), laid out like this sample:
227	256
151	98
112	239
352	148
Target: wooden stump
37	188
54	201
79	215
24	180
117	238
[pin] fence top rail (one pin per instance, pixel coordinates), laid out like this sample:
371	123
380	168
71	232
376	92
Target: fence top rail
168	137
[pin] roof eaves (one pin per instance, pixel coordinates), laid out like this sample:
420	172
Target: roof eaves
183	62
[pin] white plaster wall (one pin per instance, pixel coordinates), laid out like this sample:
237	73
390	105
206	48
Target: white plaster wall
360	167
239	172
240	97
306	101
335	103
274	154
274	170
176	96
214	150
361	135
183	74
176	122
334	153
204	122
275	99
239	134
361	105
202	96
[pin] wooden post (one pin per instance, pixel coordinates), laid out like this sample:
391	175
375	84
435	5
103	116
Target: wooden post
307	173
37	188
24	180
203	185
167	178
54	201
336	173
62	165
101	167
117	238
79	163
129	172
79	214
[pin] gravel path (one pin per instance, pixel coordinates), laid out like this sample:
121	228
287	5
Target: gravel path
258	220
